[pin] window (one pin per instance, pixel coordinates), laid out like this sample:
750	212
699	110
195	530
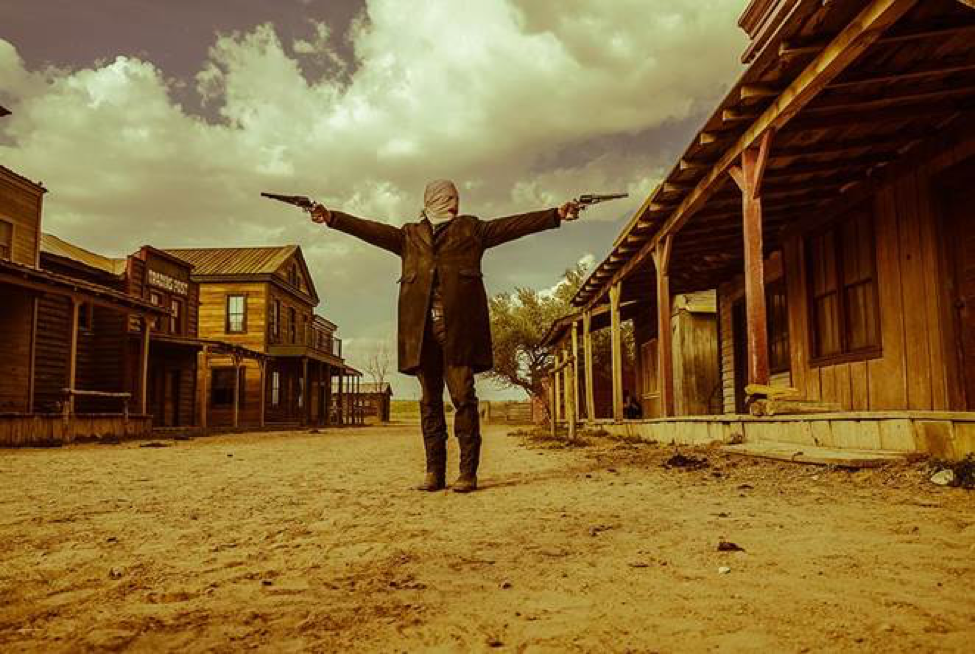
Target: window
844	313
222	385
293	324
777	312
6	239
86	316
275	388
176	319
275	318
236	314
648	367
155	299
301	392
293	276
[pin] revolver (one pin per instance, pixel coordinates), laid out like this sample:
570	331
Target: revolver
299	201
590	199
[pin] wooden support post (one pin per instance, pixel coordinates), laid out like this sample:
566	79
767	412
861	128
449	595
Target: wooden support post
305	392
557	409
340	400
665	348
262	417
236	360
203	374
73	355
553	399
575	367
144	367
33	356
749	179
617	350
587	347
328	395
570	397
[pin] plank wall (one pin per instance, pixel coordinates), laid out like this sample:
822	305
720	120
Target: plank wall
20	205
15	335
914	371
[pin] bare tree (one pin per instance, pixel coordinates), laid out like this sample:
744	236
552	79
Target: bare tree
377	363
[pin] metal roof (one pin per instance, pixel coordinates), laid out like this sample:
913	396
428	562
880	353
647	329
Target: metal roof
52	244
234	261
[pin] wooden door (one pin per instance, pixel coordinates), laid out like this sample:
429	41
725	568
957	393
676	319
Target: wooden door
960	206
171	399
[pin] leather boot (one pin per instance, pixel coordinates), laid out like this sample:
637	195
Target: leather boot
436	477
470	457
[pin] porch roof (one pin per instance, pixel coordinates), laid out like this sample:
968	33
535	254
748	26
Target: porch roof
847	89
49	282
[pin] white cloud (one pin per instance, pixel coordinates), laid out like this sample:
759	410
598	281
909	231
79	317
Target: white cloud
496	96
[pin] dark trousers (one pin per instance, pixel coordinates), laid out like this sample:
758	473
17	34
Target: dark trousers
434	372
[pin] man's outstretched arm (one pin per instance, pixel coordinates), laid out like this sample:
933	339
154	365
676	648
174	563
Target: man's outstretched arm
379	234
501	230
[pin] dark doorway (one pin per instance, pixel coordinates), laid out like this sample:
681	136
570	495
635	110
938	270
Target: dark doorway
739	333
959	204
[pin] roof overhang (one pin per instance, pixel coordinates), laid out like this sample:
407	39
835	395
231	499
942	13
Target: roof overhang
47	282
845	102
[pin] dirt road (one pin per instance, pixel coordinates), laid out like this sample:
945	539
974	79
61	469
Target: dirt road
315	542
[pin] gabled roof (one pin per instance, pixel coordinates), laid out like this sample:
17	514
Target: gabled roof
239	263
234	261
51	244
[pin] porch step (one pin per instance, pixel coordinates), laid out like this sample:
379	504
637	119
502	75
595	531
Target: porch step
823	456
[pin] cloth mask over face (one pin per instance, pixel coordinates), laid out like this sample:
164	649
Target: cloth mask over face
440	201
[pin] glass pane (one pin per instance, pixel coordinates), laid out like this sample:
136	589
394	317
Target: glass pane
827	325
862	325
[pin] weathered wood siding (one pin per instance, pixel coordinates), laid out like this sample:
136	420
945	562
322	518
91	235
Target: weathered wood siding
213	312
914	369
51	358
20	205
16	318
697	378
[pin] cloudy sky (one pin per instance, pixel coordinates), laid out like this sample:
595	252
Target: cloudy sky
160	122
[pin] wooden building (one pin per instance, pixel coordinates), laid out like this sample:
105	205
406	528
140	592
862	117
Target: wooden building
376	400
62	340
263	299
828	200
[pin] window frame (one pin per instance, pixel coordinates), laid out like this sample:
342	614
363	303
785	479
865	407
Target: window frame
13	239
777	287
178	316
227	371
835	229
243	319
275	388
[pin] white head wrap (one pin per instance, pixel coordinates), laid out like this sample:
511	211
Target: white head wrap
439	198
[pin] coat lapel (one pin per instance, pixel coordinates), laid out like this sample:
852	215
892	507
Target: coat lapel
426	233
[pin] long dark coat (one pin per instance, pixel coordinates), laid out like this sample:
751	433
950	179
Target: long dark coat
454	257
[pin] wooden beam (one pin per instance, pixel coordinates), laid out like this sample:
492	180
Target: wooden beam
33	354
587	349
933	71
889	99
73	353
755	91
263	401
144	366
236	361
203	374
617	350
665	349
707	138
737	116
968	3
575	366
749	180
305	392
557	409
859	35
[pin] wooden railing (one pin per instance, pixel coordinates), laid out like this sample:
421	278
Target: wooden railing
71	393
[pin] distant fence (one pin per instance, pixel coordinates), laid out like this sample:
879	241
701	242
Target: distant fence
515	413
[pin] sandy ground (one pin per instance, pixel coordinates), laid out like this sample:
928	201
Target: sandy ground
316	542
